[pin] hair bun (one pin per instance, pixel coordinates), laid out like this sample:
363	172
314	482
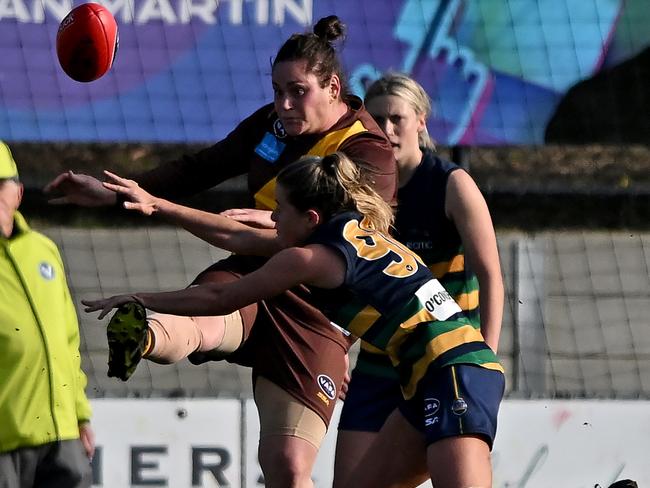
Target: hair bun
329	164
330	28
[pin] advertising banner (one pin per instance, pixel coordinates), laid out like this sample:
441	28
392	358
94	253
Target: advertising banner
210	443
178	443
190	70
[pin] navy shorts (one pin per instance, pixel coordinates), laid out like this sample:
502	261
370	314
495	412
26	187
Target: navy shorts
456	400
369	401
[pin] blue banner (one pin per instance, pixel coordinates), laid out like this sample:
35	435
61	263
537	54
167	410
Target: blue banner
190	70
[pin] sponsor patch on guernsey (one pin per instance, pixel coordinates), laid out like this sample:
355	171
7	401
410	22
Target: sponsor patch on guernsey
326	384
270	147
437	300
278	129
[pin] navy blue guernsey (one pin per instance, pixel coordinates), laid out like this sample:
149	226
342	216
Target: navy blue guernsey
422	225
391	300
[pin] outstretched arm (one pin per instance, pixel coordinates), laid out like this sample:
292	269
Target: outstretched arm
254	217
79	189
216	229
311	265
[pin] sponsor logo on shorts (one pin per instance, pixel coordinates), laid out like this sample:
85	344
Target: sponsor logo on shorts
429	421
326	384
46	270
459	407
438	302
278	129
431	407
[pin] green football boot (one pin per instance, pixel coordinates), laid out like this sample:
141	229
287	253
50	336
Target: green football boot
127	337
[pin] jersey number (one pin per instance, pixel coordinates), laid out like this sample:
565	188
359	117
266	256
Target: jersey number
371	245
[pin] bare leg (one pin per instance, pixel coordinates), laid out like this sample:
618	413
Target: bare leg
396	458
460	462
286	461
351	447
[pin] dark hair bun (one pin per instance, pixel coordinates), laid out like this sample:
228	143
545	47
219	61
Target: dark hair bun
330	28
329	163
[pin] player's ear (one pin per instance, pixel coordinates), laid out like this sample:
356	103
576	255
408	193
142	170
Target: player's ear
422	122
335	87
314	217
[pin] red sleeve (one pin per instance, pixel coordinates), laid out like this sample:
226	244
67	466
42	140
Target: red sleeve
208	167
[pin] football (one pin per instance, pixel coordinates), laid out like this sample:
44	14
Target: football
86	42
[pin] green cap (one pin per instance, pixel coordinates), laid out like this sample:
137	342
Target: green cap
8	168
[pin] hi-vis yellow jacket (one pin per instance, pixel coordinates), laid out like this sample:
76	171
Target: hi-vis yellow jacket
42	396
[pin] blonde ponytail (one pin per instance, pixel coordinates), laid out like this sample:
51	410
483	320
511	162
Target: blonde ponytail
335	184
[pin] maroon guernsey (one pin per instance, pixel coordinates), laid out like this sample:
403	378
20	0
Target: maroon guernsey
260	147
292	344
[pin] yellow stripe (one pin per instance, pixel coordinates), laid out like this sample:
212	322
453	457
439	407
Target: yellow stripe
454	265
422	316
332	141
456	396
363	321
437	346
265	196
455	381
493	366
467	301
404	329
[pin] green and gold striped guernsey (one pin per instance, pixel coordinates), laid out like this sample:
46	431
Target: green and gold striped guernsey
422	225
391	300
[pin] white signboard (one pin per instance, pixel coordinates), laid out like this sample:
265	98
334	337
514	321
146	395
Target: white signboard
188	443
577	444
179	443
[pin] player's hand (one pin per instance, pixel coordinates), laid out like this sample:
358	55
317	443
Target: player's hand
108	304
254	217
87	438
79	189
136	198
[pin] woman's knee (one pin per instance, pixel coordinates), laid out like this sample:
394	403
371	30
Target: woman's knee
286	461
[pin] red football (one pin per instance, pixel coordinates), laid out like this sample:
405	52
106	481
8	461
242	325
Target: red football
86	42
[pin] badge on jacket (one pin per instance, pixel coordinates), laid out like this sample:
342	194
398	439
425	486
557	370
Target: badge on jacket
46	270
